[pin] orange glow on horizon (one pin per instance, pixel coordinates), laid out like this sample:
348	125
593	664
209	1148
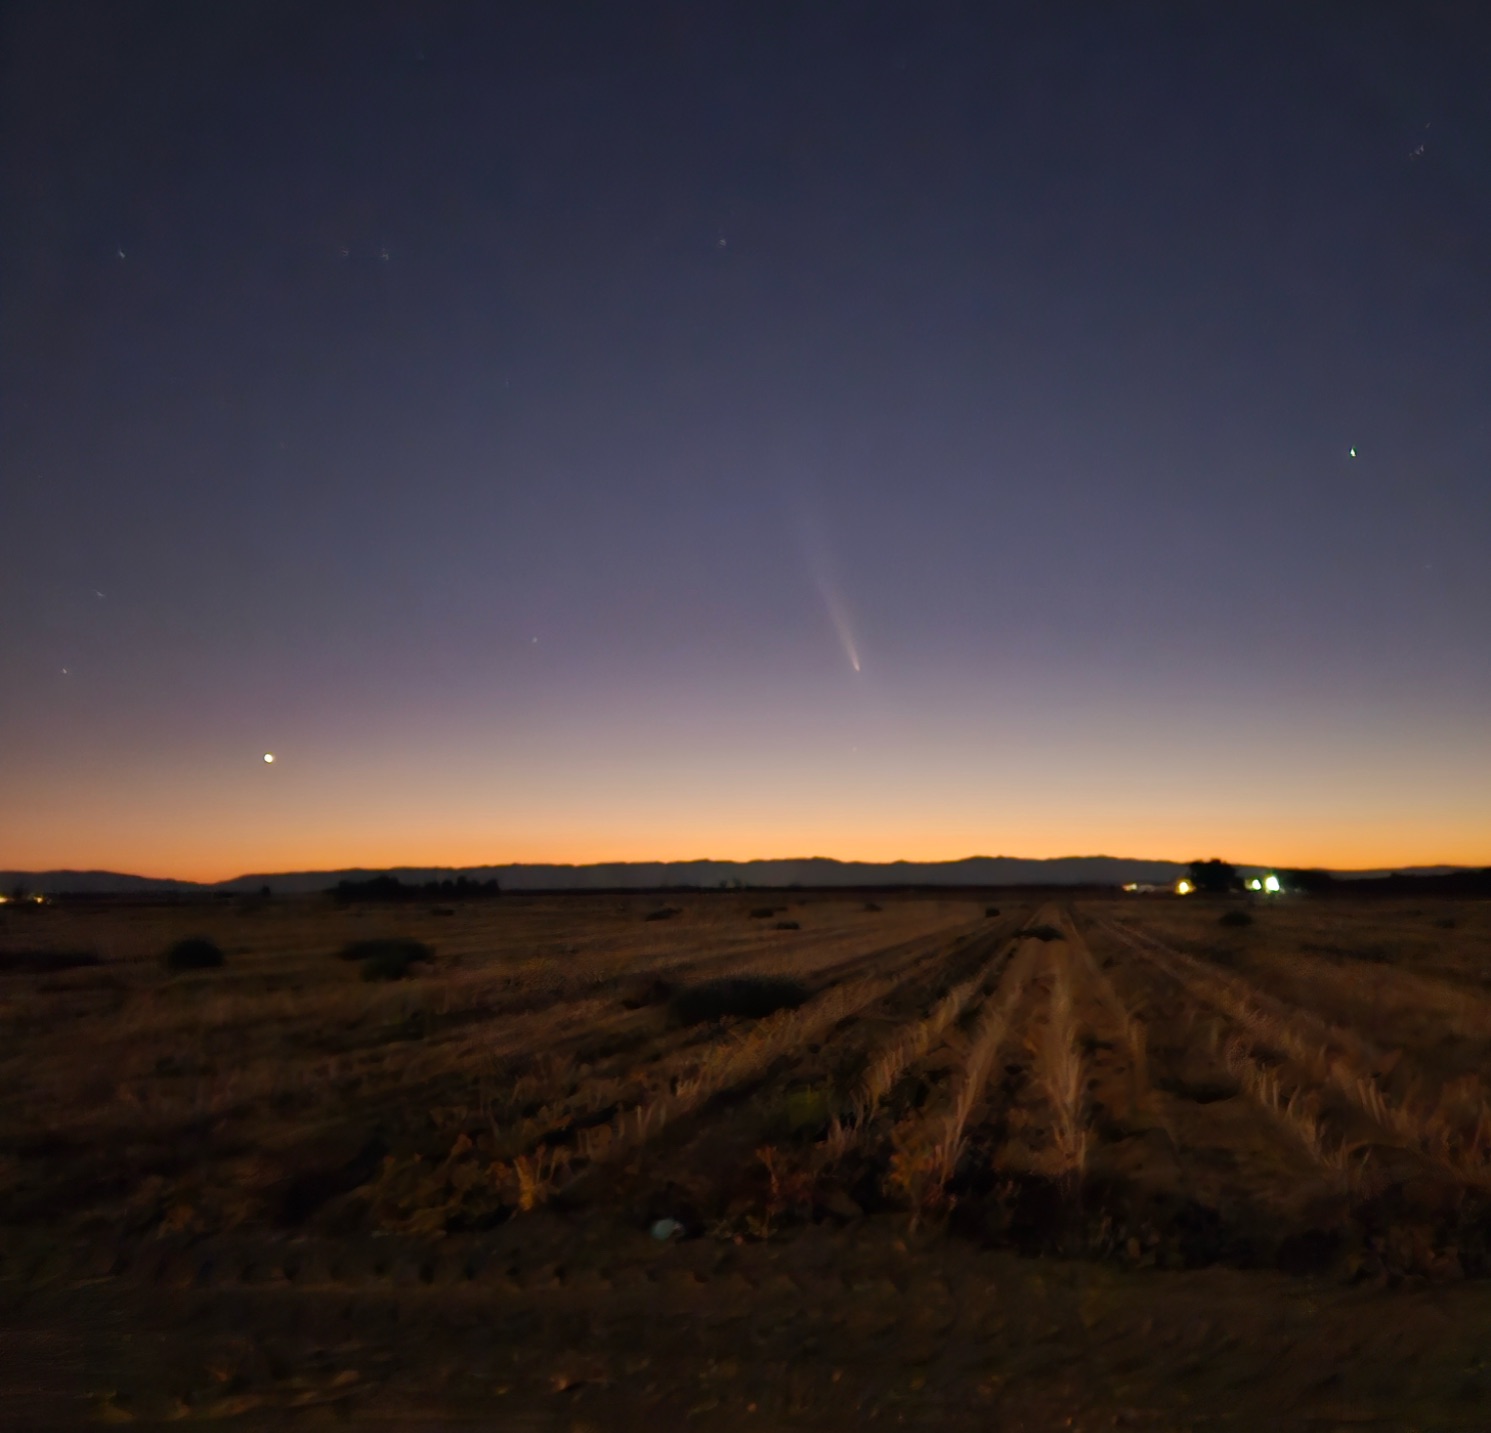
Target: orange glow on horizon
216	857
905	787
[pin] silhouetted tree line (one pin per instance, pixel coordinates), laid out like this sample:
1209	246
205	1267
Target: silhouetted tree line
1310	883
390	890
1215	877
1451	883
1218	878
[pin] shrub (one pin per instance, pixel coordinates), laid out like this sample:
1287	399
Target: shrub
654	991
763	913
872	907
381	945
196	952
788	925
386	965
1039	932
388	958
990	912
751	997
1236	918
665	913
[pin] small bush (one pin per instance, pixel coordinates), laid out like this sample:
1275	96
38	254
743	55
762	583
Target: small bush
665	913
196	952
763	913
386	965
990	912
1236	918
872	907
654	991
1039	932
385	945
788	925
44	962
388	958
751	997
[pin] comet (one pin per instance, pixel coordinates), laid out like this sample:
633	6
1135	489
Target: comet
838	614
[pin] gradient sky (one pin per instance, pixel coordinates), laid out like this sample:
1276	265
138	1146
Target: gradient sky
649	431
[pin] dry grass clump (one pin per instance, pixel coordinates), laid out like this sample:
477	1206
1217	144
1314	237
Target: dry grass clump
1059	1070
1451	1127
195	952
1297	1112
388	958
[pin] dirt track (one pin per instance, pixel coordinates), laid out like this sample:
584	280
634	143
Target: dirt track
564	1325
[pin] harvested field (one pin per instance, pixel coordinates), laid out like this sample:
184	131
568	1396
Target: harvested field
1068	1164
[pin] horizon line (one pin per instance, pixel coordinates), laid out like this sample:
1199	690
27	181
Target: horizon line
262	874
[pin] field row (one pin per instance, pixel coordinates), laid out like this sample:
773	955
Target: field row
1141	1081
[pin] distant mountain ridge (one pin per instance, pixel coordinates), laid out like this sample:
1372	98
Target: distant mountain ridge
816	871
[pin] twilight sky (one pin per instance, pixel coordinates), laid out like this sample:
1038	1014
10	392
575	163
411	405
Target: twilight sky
647	431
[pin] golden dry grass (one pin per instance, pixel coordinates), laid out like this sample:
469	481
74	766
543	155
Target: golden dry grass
938	1066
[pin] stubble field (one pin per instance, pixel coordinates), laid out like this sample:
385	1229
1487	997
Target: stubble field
1006	1161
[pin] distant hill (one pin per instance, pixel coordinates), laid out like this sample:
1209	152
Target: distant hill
106	883
705	875
647	875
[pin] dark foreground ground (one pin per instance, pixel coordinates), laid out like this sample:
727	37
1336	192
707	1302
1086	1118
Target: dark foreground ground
552	1325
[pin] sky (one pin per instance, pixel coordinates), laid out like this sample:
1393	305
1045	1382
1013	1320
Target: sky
659	431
